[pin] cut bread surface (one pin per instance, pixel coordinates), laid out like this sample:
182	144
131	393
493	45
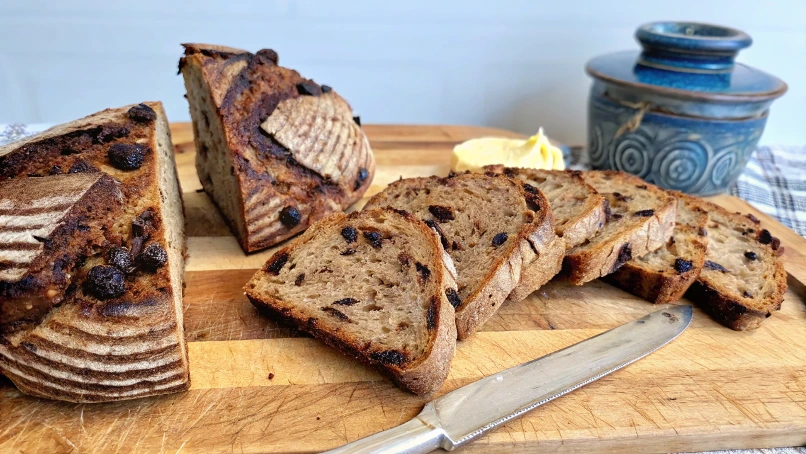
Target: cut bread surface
486	223
664	275
743	280
375	284
117	333
641	220
275	151
579	211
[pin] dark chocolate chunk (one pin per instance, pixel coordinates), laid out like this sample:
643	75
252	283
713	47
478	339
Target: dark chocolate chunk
392	357
751	255
433	224
336	313
326	88
357	120
348	251
153	257
453	297
104	282
425	273
142	113
709	265
765	237
55	170
119	258
363	174
82	166
290	216
682	265
374	239
702	231
276	262
644	213
441	213
271	376
350	234
125	156
500	239
529	188
299	279
346	302
776	243
308	88
431	314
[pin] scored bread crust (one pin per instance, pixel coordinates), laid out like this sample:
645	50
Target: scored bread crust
504	272
44	216
726	304
655	277
85	349
248	172
627	234
425	374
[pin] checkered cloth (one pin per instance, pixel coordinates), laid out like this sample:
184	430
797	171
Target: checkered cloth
774	182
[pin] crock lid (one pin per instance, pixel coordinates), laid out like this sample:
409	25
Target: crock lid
688	60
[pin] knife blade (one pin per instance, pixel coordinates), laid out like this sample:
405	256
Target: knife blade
465	413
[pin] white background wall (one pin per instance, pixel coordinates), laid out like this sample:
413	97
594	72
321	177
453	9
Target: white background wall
505	63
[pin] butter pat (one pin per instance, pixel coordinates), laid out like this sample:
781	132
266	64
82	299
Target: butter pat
534	153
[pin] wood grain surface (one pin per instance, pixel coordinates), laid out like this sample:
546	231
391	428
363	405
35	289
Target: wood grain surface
713	388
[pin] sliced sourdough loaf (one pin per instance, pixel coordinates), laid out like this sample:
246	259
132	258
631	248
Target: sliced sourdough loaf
666	273
641	219
275	151
374	284
41	244
117	332
492	228
743	280
579	211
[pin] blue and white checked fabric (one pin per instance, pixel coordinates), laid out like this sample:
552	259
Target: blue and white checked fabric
774	181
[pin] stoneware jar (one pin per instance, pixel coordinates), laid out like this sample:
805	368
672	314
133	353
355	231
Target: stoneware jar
681	113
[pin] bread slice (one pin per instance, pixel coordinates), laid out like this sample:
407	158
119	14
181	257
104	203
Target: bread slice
664	275
641	219
100	344
579	211
491	227
41	243
275	151
374	284
743	280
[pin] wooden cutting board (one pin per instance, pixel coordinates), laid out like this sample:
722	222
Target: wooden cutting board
261	387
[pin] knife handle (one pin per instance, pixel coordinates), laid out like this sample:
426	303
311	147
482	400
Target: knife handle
419	435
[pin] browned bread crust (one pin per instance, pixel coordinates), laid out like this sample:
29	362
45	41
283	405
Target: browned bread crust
421	374
743	280
49	224
254	172
664	275
95	345
471	232
641	219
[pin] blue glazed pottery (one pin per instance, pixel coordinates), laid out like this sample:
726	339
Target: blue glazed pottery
681	113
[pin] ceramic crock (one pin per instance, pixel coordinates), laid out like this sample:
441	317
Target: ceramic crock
680	113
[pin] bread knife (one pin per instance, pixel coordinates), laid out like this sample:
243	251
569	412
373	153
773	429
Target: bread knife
464	414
